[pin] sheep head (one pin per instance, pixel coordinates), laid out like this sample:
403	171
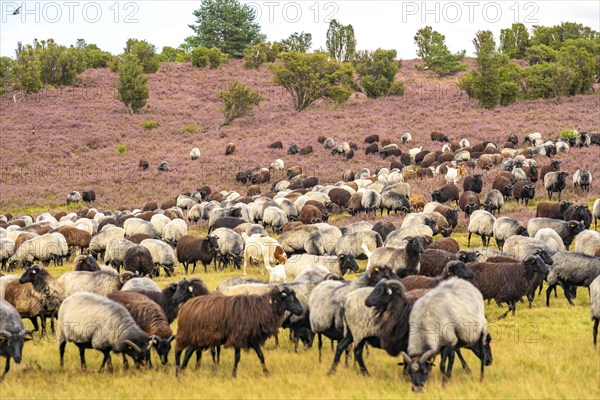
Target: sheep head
384	292
418	367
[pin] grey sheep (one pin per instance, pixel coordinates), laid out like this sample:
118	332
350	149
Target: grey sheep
159	221
567	230
520	247
7	249
322	241
173	231
237	280
360	226
338	265
230	246
93	321
505	227
481	223
100	240
595	307
275	218
162	254
42	248
582	179
115	252
140	284
394	201
588	242
551	238
12	335
493	202
397	237
134	226
571	269
99	282
596	212
555	182
371	201
289	208
353	243
73	197
403	261
456	304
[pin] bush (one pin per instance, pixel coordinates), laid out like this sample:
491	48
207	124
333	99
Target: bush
238	100
190	127
133	84
397	89
146	54
121	149
149	124
202	57
255	56
377	71
569	134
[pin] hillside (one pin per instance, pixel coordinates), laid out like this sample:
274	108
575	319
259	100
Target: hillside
77	130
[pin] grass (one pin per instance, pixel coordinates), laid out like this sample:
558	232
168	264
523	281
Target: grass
148	125
190	127
540	353
121	149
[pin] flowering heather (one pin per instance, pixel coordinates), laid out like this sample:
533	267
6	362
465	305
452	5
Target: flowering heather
66	139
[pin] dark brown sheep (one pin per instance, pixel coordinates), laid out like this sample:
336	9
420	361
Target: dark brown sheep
384	229
354	204
107	221
260	177
294	171
523	191
448	244
22	297
309	182
164	299
452	268
276	145
253	190
146	215
340	197
446	193
230	149
306	150
151	318
579	213
439	137
241	322
389	152
321	139
143	165
138	260
310	215
371	139
168	204
554	166
551	209
531	172
138	238
473	183
451	214
191	249
503	185
434	261
150	206
349	155
469	202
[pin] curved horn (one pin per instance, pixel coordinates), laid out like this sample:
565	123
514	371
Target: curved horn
406	357
133	345
26	334
5	334
429	354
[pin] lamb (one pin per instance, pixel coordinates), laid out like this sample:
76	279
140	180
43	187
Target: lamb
151	318
507	282
567	230
434	261
100	282
505	227
571	269
469	202
582	179
338	265
191	249
195	154
473	183
12	335
446	193
481	223
238	322
322	241
88	320
595	307
551	238
456	304
548	209
555	182
493	202
523	191
138	260
353	243
588	242
402	261
262	250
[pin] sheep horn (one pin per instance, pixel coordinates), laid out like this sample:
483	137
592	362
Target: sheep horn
429	354
26	334
133	346
5	334
171	338
406	357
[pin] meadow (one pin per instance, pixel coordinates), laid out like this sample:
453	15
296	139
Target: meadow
539	353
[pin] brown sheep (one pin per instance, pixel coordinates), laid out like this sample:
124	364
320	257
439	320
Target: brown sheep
448	244
138	238
253	190
76	238
306	150
554	166
439	137
469	202
108	221
146	215
27	302
168	204
372	149
371	139
321	139
150	206
452	268
503	185
550	209
143	164
417	202
294	171
23	237
485	162
310	214
241	322
151	318
451	214
446	193
434	261
276	145
355	203
523	191
230	149
340	197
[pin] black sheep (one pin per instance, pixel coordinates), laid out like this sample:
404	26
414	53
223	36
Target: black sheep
89	196
276	145
293	149
473	183
446	193
371	139
138	260
579	213
191	249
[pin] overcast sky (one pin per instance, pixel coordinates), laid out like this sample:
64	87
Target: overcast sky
385	24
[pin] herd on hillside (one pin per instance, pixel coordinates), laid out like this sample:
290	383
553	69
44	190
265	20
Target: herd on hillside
412	283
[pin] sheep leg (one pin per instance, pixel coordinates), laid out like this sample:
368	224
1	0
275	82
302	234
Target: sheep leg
347	356
199	358
125	362
341	346
567	292
261	357
236	361
448	374
6	369
82	356
319	345
215	353
358	355
507	311
463	363
106	361
186	358
185	267
61	351
469	239
548	291
36	327
595	331
482	351
43	320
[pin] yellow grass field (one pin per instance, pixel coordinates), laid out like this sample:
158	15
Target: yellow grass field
540	353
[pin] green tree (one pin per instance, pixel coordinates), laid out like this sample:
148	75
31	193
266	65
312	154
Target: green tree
310	77
171	54
255	56
6	73
341	41
146	54
133	84
300	42
546	80
377	71
540	53
238	100
514	41
433	51
202	57
227	25
583	66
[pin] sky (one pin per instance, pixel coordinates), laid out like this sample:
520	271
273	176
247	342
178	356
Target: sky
377	24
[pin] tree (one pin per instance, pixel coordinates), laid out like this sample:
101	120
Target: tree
6	73
341	42
171	54
433	51
133	84
377	71
546	80
146	54
300	42
582	64
514	41
238	100
554	36
202	56
227	25
540	53
310	77
255	56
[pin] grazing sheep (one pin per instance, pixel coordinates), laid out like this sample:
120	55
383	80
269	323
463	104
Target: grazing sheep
338	265
481	223
229	149
469	202
505	227
73	197
164	166
162	255
294	240
143	165
140	284
493	202
446	193
293	149
523	191
548	209
42	248
583	140
230	247
115	252
384	228
457	304
310	214
261	250
276	145
76	238
306	150
12	335
452	268
595	307
440	137
406	138
394	201
322	241
571	270
453	174
100	282
503	185
402	261
99	241
138	260
578	213
191	249
588	242
371	201
174	231
434	261
582	179
7	249
555	182
89	321
240	322
195	154
567	230
151	318
473	183
88	196
353	243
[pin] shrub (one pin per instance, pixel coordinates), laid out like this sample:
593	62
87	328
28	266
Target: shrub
203	57
190	127
133	84
377	71
255	56
121	149
569	134
149	124
238	100
146	54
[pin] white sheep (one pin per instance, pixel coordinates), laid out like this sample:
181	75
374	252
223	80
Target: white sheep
174	230
195	154
482	223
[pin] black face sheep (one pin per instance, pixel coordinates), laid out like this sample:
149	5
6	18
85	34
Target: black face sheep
143	165
473	183
241	322
138	260
191	249
571	270
446	193
394	201
88	196
12	335
567	230
583	140
555	182
451	214
402	261
507	282
322	241
164	166
439	137
454	303
579	213
49	291
293	149
481	223
86	263
164	299
151	318
493	202
505	227
523	191
582	179
595	307
434	261
503	185
356	243
452	268
469	202
89	321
